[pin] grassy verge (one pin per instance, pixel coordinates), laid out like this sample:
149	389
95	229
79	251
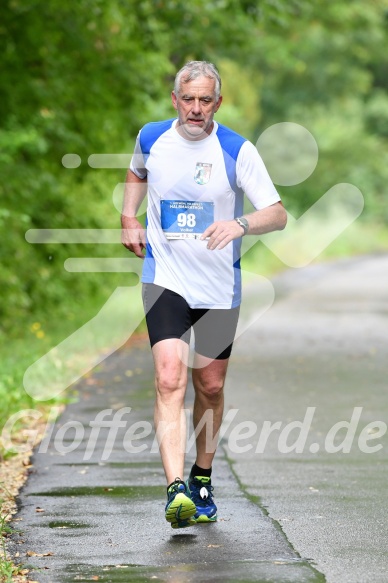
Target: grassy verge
9	571
17	356
6	566
67	333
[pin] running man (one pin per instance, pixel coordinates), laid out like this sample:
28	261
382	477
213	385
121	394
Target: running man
195	172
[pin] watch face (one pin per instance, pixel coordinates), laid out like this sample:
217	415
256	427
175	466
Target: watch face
243	223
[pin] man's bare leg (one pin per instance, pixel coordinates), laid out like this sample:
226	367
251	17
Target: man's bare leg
208	380
170	357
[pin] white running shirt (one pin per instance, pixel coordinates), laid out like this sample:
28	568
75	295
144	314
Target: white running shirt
190	185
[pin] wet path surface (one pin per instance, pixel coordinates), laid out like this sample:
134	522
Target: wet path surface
100	509
285	515
324	346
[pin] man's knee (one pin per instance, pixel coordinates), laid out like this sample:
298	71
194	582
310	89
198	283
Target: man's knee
169	381
170	370
212	388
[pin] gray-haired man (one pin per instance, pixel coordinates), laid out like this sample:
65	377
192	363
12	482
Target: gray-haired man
196	172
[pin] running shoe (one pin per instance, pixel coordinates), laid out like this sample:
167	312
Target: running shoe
201	492
180	509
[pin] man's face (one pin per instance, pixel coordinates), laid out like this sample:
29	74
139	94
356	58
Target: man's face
196	105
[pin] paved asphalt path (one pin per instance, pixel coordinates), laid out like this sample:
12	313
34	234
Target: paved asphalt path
311	515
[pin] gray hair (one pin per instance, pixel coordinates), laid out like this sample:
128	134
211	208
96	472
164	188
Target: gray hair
194	69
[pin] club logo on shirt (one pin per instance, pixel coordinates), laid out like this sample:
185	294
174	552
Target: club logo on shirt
202	173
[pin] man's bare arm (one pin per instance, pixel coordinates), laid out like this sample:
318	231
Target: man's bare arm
133	233
271	218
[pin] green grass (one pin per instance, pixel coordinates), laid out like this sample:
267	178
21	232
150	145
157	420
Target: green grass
7	569
17	356
32	341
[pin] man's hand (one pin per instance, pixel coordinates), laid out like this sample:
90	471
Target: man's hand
221	233
271	218
133	235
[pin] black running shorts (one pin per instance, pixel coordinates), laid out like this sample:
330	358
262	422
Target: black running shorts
168	315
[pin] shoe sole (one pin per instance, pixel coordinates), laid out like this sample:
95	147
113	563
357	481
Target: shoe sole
180	510
183	523
202	518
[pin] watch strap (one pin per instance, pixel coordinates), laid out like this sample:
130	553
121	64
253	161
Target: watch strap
243	223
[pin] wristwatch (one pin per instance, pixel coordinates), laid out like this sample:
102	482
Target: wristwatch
243	223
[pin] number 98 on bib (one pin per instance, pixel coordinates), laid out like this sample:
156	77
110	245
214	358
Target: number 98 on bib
183	219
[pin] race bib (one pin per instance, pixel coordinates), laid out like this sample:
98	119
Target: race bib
183	219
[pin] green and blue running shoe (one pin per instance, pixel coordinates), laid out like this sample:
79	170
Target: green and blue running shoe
201	492
180	509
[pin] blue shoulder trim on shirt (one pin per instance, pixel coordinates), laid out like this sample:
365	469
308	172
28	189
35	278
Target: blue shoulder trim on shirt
151	132
231	143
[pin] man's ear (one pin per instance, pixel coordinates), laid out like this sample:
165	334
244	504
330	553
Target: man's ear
174	100
218	104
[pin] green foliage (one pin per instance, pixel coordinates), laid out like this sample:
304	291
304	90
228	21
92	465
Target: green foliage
78	78
241	108
323	70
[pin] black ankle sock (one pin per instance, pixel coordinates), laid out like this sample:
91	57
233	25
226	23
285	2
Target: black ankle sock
197	471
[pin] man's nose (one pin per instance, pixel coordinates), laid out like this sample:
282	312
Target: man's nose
196	106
